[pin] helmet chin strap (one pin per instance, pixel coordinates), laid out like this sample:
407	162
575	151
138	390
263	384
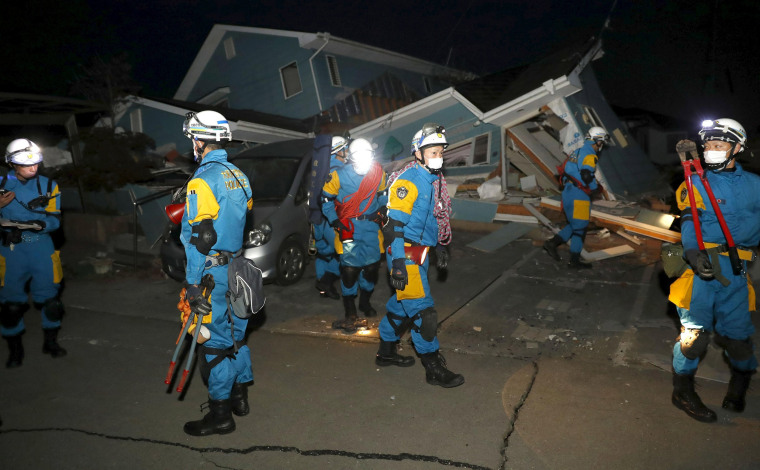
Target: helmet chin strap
198	154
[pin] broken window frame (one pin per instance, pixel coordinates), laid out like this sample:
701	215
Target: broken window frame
286	72
595	120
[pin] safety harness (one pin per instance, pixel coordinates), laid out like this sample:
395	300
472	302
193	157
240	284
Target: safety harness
564	176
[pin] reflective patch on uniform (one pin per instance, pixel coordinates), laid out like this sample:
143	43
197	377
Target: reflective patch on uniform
329	178
684	194
402	192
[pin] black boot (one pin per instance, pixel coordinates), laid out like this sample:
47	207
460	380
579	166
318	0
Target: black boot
686	399
577	263
217	421
16	348
349	305
239	399
387	356
550	246
51	346
326	286
364	306
737	390
436	372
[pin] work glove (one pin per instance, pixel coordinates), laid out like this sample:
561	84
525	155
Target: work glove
199	304
381	216
338	225
700	263
399	277
442	255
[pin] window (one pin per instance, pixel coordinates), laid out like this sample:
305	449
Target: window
426	84
470	152
291	81
332	67
229	48
135	120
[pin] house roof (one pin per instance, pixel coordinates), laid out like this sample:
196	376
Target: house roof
502	87
319	42
247	125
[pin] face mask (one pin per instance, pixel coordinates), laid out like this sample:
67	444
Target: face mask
715	156
435	163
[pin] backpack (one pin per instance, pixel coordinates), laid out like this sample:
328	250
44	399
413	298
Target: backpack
245	289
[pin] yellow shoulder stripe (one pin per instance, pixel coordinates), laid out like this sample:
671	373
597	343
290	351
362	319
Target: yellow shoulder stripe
206	205
682	197
333	185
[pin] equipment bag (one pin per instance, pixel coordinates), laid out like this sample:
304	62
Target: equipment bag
245	292
673	262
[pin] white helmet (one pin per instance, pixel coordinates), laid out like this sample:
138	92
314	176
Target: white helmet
598	134
432	134
723	129
416	141
360	155
207	125
338	143
23	152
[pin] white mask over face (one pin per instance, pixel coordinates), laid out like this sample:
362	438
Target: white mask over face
715	156
435	163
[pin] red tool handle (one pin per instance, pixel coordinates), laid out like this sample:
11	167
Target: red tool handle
693	203
170	373
182	382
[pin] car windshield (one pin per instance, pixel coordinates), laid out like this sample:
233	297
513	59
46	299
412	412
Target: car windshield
271	177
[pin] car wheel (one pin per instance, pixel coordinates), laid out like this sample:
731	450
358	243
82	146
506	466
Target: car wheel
291	261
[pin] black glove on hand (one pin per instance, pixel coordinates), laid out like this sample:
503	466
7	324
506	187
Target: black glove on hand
442	254
338	225
399	278
194	296
700	263
381	216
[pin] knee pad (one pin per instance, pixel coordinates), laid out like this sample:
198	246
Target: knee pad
372	272
739	349
11	313
428	324
53	309
349	275
693	342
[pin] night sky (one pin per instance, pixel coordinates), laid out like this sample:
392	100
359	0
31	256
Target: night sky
685	59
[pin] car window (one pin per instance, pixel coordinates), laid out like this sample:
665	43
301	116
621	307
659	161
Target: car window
271	177
303	189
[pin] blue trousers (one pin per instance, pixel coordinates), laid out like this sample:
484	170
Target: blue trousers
577	207
327	258
409	308
35	262
723	309
232	369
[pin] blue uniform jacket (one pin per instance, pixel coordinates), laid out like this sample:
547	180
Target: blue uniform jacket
411	203
25	192
584	158
221	192
738	196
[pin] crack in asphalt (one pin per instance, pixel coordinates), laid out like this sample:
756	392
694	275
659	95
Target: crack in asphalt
511	423
264	448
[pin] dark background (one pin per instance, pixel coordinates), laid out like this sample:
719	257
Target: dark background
686	59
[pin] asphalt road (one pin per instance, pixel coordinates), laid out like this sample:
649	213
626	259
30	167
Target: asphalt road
563	370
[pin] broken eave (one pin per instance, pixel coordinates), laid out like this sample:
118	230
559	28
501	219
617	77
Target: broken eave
529	104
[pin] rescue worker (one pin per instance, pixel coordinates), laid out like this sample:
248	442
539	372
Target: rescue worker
327	264
30	203
579	183
411	206
354	204
711	296
218	199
